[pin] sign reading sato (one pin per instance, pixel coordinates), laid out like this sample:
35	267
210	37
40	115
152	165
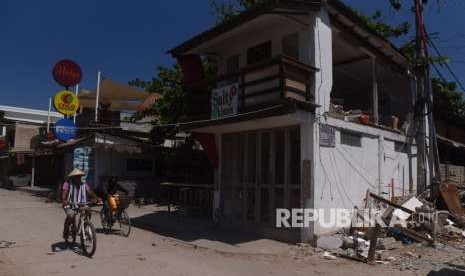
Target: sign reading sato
65	129
66	102
67	73
225	101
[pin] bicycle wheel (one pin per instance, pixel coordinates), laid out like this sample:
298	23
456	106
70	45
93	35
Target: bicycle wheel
104	220
124	224
88	239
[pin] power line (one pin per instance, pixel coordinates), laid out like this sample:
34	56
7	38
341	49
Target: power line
356	170
340	178
447	65
452	26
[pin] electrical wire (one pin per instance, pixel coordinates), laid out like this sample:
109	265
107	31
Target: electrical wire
340	178
326	180
356	170
357	162
337	182
446	65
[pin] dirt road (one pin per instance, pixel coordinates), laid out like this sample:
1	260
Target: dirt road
30	229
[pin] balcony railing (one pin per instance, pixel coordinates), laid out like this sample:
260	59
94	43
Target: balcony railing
260	85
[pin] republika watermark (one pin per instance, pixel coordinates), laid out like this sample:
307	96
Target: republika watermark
340	218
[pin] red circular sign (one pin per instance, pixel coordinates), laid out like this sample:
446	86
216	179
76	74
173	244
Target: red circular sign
67	73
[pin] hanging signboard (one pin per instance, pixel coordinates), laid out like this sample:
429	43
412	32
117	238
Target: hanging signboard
67	73
83	159
327	136
225	101
66	102
65	129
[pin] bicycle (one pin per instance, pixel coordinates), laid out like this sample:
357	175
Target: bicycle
86	231
119	217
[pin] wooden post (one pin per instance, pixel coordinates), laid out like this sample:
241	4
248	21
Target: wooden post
393	193
33	171
403	181
373	242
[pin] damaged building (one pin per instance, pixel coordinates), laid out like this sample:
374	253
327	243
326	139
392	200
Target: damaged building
310	109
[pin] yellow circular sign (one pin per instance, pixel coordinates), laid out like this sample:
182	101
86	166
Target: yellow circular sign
66	103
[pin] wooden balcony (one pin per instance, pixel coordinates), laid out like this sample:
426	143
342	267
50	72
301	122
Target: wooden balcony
260	86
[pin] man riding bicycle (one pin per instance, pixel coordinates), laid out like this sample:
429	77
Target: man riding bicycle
107	190
74	196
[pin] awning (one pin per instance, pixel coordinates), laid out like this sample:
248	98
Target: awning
450	142
121	96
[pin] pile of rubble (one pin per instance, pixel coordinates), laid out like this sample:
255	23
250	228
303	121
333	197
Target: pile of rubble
427	224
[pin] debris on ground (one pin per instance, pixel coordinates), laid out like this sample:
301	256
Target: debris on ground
329	256
417	230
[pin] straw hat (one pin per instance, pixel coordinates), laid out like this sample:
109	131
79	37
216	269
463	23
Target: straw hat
76	172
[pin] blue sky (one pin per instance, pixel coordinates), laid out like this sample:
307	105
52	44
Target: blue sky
127	39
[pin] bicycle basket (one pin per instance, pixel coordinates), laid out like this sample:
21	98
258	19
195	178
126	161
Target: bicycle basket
123	202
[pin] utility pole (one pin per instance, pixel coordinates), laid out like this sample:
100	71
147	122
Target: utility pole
427	151
420	105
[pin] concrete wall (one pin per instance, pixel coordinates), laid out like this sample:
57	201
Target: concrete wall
254	35
111	163
319	53
344	173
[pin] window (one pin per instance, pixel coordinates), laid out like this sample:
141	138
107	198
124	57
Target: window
232	64
2	131
139	165
290	46
351	139
259	53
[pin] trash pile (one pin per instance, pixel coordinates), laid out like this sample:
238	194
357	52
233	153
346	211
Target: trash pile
435	219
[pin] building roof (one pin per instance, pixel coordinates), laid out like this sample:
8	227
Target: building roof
29	115
120	96
339	12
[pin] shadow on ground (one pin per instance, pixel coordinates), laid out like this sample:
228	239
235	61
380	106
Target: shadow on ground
189	228
447	272
62	246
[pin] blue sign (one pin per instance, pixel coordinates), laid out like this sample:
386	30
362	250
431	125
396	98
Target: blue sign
84	159
65	129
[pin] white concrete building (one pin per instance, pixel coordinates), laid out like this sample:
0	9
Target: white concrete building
17	128
305	113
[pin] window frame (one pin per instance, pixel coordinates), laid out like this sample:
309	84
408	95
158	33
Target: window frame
348	138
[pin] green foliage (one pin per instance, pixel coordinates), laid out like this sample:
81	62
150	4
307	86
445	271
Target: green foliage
449	102
173	107
378	25
168	82
409	50
225	10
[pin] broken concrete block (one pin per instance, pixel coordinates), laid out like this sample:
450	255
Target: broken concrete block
453	230
388	244
347	242
329	256
391	259
329	242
